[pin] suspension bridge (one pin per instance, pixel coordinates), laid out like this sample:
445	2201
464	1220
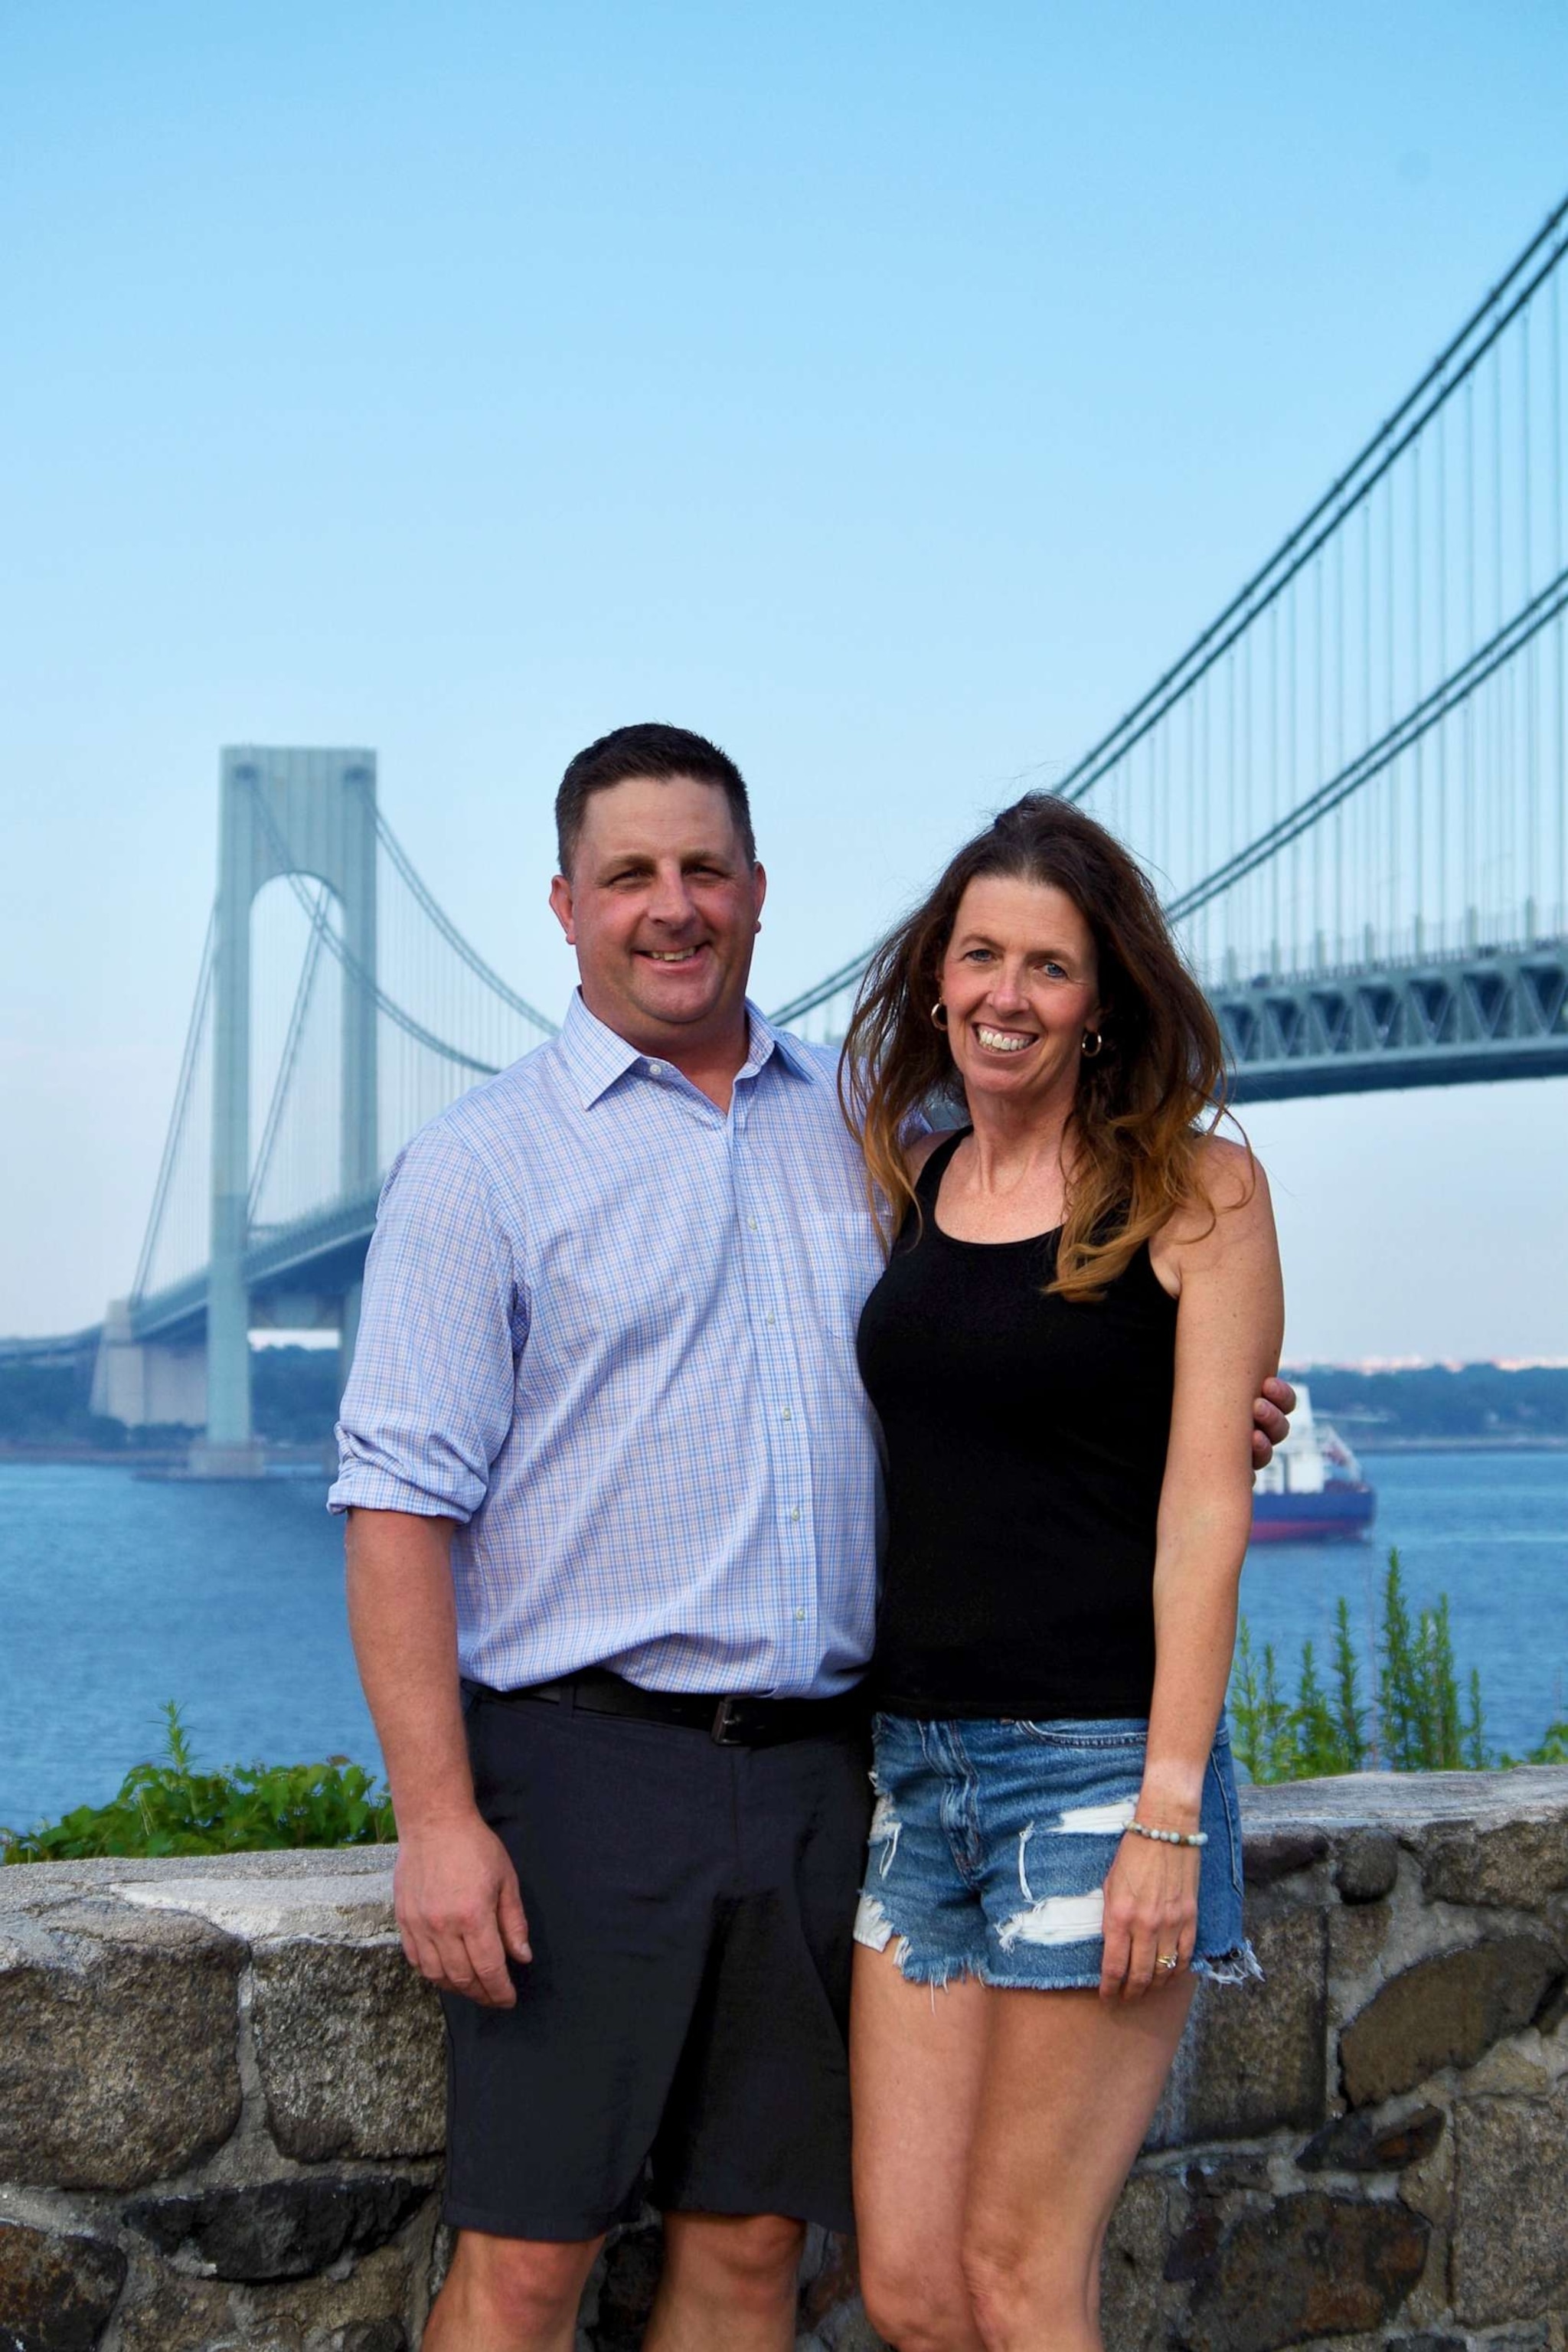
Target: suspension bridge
1352	789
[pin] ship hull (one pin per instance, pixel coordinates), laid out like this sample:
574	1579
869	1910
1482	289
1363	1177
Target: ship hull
1336	1514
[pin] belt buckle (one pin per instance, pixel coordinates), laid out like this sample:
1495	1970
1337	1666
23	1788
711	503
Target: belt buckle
719	1731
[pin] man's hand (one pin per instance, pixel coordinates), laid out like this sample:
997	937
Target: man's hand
1271	1419
460	1911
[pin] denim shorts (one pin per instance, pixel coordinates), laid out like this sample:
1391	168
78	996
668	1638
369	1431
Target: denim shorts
991	1842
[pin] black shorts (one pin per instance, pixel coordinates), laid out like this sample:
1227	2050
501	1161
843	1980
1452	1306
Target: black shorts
689	1909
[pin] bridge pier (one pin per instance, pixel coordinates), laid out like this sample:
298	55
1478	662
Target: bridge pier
147	1382
310	813
348	1332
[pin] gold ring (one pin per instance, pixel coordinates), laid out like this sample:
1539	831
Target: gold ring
1167	1960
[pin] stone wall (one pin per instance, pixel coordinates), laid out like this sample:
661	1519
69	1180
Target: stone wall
220	2104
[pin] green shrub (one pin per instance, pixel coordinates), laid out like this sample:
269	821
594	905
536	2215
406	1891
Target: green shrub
1413	1723
170	1808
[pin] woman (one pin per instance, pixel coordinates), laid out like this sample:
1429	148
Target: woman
1080	1302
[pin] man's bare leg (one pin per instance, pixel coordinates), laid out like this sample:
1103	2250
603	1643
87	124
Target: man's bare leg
510	2295
729	2283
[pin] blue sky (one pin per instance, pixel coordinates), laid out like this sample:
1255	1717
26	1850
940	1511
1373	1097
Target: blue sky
887	392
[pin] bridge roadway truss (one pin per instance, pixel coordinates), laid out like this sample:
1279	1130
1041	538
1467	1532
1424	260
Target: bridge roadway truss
1492	1012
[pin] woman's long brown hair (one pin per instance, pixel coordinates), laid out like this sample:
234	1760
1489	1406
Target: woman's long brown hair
1132	1149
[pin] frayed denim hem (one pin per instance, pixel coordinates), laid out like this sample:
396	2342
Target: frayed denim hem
873	1929
1240	1966
1032	1984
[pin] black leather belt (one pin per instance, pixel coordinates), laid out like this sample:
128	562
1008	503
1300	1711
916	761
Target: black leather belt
741	1722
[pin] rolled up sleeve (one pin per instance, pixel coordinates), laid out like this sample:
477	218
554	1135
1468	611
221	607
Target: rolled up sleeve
430	1398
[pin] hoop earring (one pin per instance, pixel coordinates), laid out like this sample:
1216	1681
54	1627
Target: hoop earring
939	1015
1091	1052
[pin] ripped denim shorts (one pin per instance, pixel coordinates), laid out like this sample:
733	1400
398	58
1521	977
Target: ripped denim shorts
991	1842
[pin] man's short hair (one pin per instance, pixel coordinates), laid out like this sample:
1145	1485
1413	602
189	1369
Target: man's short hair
648	750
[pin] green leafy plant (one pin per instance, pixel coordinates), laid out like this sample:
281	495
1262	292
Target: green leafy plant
171	1807
1262	1719
1419	1693
1349	1716
1415	1722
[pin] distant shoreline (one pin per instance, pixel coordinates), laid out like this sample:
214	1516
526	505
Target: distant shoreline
1365	1443
156	1457
297	1457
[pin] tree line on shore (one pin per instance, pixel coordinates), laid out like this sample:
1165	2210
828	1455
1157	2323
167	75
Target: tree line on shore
294	1401
1436	1400
295	1398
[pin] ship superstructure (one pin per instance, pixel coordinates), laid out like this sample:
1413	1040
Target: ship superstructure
1313	1488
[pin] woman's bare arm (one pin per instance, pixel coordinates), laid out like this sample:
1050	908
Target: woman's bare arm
1229	1326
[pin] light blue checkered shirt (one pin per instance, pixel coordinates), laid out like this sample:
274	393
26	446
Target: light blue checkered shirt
611	1330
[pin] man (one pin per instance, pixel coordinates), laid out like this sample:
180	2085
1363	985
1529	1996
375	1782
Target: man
607	1459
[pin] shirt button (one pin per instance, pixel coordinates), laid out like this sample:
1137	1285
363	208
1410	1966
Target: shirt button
752	1225
795	1513
656	1069
769	1321
786	1414
800	1616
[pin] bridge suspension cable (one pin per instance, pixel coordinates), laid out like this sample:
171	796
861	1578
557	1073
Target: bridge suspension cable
317	907
357	972
449	931
183	1086
1454	690
1453	366
1362	759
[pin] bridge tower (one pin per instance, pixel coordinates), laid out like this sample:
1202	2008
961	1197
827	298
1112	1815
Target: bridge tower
281	811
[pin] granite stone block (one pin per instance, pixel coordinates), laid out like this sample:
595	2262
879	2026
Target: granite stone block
350	2044
56	2291
1514	1864
168	2311
1253	2056
279	2229
1273	1855
1366	1865
1509	2258
1444	2012
1311	2266
119	2057
1359	2143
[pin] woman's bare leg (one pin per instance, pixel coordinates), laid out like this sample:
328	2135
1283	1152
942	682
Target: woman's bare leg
917	2058
1070	2085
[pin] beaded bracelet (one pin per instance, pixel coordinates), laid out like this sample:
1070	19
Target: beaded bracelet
1168	1837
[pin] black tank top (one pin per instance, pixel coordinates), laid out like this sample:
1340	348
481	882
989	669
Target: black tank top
1025	1444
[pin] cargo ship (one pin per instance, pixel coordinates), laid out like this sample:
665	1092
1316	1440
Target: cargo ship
1313	1488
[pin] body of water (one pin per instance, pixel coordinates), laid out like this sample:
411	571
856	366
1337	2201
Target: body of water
117	1593
1489	1529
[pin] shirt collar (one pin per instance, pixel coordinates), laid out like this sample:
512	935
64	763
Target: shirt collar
596	1056
765	1039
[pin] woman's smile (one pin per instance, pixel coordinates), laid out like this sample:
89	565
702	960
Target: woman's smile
1002	1041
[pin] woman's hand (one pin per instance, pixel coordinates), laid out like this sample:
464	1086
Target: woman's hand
1150	1910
